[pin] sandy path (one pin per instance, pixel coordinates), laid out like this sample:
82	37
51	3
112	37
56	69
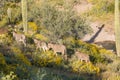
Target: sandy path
106	34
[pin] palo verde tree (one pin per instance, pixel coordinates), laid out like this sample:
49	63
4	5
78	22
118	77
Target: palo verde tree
117	27
24	14
62	23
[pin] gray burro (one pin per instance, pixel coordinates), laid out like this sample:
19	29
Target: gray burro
82	56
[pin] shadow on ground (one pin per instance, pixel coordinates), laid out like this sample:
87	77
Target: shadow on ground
109	45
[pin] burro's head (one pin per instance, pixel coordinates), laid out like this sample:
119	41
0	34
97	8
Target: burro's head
50	45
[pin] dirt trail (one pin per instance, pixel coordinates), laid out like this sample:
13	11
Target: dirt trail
106	34
83	7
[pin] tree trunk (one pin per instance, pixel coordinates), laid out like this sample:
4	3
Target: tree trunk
24	14
117	27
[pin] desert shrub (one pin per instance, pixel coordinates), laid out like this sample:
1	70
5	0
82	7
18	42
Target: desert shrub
62	23
10	76
5	39
3	22
3	64
33	11
51	74
109	75
114	66
47	58
101	8
2	37
32	28
25	72
16	57
40	37
46	73
82	67
4	67
69	41
90	49
16	15
109	56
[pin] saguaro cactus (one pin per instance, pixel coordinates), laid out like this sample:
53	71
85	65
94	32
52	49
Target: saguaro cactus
24	14
9	13
117	27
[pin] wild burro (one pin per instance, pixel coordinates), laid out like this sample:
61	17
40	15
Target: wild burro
82	56
40	44
19	37
57	48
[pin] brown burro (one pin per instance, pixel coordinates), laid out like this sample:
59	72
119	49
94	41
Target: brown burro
82	56
40	45
57	48
19	37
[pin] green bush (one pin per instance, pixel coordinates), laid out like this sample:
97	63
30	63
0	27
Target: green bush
114	66
91	50
3	22
109	75
101	8
47	58
10	76
3	64
26	72
16	57
82	67
62	23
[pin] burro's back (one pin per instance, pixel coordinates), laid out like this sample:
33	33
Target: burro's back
82	56
40	44
19	37
57	48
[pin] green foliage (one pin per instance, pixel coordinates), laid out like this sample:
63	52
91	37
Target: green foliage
24	72
97	55
62	23
32	26
3	64
47	58
40	37
5	39
10	10
101	8
16	15
4	67
54	20
114	66
19	57
82	67
69	41
110	76
45	74
3	22
10	76
90	49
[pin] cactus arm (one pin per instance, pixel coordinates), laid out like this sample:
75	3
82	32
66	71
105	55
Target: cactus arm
24	14
117	27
